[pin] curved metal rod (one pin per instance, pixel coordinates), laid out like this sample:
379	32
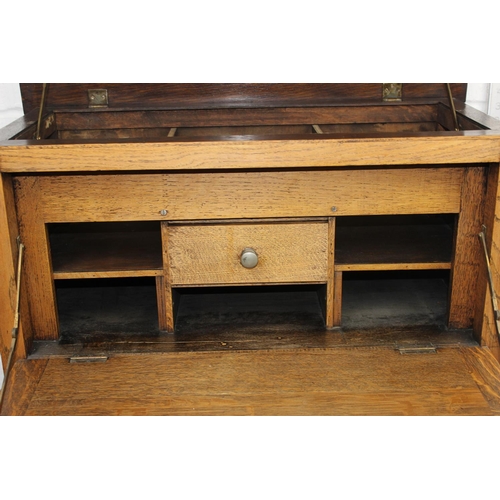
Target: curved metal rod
452	106
16	324
40	112
494	303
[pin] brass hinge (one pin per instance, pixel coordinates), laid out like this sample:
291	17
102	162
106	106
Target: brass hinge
392	92
417	349
98	98
88	359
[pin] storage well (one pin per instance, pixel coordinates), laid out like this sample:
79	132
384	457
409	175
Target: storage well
97	124
111	309
394	242
107	249
394	299
261	310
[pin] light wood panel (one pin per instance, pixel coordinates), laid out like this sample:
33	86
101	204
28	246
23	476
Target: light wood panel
344	381
467	255
485	325
22	384
330	285
8	272
484	369
210	254
337	300
320	151
305	193
38	268
168	307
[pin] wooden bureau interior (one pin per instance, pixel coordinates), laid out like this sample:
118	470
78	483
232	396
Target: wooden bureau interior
355	213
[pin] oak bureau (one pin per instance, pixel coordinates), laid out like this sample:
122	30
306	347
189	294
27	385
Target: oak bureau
159	211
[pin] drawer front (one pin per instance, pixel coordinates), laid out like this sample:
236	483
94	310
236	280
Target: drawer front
211	254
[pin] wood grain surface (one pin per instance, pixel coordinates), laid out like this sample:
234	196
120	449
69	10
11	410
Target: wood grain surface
467	256
399	115
344	381
209	95
210	254
329	312
485	325
38	264
8	275
22	384
202	196
320	151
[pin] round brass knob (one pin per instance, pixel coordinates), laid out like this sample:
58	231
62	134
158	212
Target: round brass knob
249	258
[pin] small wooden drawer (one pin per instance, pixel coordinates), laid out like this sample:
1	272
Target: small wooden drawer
206	254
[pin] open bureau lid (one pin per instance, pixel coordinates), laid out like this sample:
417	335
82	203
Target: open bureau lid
220	95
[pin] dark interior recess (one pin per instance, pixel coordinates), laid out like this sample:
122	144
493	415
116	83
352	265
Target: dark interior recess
95	309
394	299
395	238
251	310
105	246
121	309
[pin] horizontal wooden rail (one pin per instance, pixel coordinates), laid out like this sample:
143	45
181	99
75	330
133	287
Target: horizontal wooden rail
322	151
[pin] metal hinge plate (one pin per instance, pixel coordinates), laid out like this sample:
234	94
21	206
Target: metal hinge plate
392	91
417	349
98	98
88	359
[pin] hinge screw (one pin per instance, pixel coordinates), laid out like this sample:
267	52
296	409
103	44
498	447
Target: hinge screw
334	209
163	212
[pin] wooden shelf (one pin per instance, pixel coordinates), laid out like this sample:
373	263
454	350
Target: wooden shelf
393	243
106	250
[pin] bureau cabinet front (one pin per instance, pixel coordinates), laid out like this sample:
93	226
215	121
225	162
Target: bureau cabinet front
217	229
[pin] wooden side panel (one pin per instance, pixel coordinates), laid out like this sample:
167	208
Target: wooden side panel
472	116
467	257
167	323
38	268
337	312
306	193
22	384
485	370
8	271
330	285
485	327
15	128
287	253
163	300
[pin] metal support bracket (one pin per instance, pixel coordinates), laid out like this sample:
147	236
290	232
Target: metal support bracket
38	133
16	320
494	303
452	106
